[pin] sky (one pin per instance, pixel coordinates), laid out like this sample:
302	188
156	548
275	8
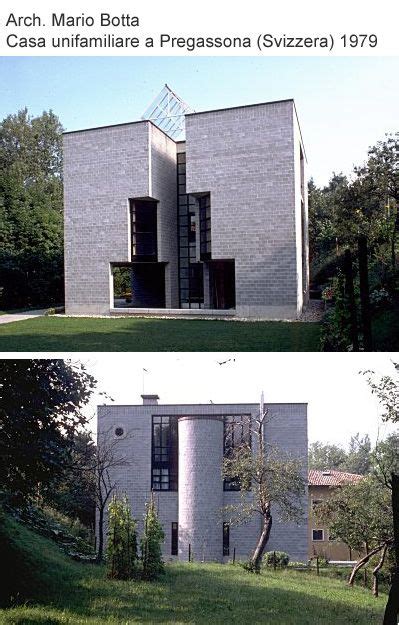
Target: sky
340	403
344	104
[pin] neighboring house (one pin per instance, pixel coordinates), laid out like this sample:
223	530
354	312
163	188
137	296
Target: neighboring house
214	225
177	451
321	484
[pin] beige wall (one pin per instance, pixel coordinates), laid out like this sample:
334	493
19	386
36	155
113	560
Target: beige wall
330	549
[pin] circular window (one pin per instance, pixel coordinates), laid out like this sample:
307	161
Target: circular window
119	431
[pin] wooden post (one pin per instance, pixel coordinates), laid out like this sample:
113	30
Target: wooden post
274	560
317	566
365	577
234	555
364	293
189	552
350	294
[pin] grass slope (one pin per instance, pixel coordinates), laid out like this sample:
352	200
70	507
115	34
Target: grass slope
134	334
63	591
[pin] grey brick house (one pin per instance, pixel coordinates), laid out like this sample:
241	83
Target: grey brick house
215	224
176	452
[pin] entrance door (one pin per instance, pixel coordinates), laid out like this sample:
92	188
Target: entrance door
222	284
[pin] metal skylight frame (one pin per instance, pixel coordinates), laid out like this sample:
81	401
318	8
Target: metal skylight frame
167	111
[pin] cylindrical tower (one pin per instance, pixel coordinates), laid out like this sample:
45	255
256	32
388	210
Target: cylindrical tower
200	487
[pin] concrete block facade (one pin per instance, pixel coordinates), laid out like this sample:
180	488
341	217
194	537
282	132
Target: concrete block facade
246	158
249	160
197	501
103	169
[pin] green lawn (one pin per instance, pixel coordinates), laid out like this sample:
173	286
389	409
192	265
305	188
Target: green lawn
55	590
139	334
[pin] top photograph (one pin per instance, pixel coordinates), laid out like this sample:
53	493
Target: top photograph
199	204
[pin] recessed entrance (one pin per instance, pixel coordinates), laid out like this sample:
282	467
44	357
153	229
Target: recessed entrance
139	285
222	287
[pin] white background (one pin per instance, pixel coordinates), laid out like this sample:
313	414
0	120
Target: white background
217	18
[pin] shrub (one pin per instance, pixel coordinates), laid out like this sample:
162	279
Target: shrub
276	558
153	537
122	540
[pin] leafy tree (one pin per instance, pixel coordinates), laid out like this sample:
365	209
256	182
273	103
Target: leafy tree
122	540
378	185
385	459
268	477
40	413
326	456
358	457
360	515
102	472
31	223
386	388
153	537
73	493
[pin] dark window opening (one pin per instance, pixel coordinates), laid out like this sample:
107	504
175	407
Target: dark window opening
119	431
222	284
237	433
144	230
139	285
175	539
317	535
164	469
205	227
226	539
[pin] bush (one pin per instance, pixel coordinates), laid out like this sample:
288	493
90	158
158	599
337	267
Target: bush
153	537
276	558
122	540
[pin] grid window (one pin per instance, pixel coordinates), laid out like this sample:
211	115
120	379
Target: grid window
144	230
237	432
191	286
164	453
205	227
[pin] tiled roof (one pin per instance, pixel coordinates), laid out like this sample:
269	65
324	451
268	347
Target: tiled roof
332	478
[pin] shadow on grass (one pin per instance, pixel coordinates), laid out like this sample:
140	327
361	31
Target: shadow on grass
73	334
211	595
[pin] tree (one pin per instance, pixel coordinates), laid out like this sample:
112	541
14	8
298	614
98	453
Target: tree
41	411
359	515
378	180
108	457
31	223
73	493
153	537
122	539
386	388
358	457
267	477
326	456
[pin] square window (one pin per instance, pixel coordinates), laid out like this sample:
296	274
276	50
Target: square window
317	535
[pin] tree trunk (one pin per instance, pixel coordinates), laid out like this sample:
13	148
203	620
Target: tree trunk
362	562
263	540
392	608
377	569
100	552
364	293
350	294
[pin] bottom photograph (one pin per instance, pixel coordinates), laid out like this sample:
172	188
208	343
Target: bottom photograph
199	488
